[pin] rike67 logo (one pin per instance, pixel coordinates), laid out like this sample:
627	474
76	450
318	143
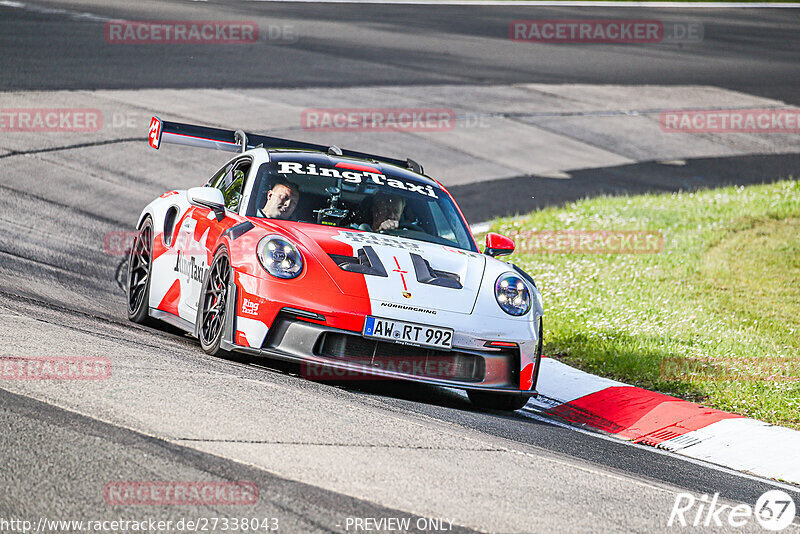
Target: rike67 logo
774	510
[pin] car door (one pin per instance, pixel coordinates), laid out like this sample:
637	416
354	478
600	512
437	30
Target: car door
200	230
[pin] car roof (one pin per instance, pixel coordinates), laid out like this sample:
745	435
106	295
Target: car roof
328	160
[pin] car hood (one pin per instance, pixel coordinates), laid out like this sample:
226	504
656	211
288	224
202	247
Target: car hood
398	272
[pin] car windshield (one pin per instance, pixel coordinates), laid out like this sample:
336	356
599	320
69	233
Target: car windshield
357	196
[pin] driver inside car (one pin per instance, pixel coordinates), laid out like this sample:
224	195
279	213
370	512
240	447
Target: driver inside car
386	211
281	201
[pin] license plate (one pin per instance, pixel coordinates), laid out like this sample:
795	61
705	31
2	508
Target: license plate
408	333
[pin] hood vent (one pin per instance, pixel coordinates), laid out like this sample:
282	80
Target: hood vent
366	261
428	275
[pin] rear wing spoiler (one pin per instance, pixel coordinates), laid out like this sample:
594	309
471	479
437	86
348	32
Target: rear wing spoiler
238	141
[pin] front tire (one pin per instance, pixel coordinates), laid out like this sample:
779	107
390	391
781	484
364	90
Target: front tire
140	265
484	400
213	303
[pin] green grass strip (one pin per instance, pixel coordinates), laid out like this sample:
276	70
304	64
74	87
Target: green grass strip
714	317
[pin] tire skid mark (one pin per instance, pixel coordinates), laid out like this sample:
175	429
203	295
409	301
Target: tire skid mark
31	196
108	320
71	147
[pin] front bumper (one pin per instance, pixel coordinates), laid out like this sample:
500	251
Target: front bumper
328	353
268	321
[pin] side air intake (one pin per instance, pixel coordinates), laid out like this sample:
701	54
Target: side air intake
366	261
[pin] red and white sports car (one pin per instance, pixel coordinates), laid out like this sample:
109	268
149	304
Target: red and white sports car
338	260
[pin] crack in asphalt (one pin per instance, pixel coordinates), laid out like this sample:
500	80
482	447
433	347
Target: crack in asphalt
71	147
30	196
71	311
615	112
97	171
39	262
62	272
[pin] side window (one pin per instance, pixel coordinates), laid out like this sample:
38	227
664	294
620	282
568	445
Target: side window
230	180
219	178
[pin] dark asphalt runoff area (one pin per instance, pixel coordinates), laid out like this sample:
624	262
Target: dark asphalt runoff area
749	50
49	46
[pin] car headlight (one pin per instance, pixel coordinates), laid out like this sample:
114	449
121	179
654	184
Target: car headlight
512	294
279	257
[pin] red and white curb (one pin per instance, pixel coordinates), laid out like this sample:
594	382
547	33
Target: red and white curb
635	414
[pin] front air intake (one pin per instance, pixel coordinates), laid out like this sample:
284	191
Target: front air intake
396	358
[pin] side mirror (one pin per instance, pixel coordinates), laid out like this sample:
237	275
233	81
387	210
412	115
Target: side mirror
498	245
208	197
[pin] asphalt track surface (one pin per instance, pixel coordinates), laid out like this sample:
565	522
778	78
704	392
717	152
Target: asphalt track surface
350	45
59	293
